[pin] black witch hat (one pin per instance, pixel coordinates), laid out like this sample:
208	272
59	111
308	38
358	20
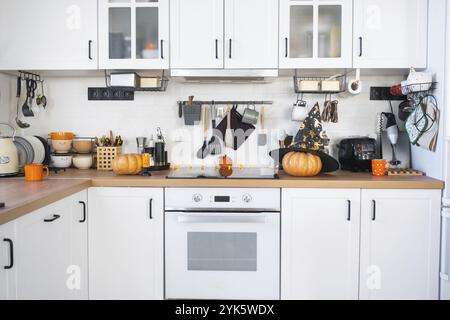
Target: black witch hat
309	139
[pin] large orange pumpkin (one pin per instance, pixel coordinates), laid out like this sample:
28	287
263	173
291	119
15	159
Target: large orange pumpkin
301	164
127	164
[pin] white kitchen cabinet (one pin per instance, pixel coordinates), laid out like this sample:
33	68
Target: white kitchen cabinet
251	34
315	34
78	270
133	34
196	34
48	35
7	264
224	34
320	244
390	34
126	243
400	236
51	251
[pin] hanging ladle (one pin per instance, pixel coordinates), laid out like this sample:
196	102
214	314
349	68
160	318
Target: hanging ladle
41	99
21	124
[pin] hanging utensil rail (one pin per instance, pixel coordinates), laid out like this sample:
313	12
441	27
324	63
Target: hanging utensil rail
209	103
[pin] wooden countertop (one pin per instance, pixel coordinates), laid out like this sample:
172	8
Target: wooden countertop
23	197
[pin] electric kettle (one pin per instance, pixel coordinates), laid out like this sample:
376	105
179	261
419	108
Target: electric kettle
9	159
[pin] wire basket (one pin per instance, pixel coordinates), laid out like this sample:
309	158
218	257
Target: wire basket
418	88
320	85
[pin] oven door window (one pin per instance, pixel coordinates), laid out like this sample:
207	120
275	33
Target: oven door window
221	251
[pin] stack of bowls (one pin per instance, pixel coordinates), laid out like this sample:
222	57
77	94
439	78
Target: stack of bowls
84	147
62	145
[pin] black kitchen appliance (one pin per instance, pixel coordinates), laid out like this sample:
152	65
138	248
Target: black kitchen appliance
357	154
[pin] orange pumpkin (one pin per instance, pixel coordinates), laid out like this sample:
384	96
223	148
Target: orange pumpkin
301	164
127	164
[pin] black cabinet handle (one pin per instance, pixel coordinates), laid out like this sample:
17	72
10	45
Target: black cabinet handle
217	49
374	210
90	50
285	47
11	254
84	211
349	210
230	48
150	208
162	49
360	46
55	217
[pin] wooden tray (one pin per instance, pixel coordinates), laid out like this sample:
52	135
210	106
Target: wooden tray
405	172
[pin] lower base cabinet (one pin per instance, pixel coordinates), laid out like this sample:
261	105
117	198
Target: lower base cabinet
47	252
368	244
400	244
126	243
320	244
8	271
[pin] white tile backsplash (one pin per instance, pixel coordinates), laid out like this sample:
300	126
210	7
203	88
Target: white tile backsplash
69	110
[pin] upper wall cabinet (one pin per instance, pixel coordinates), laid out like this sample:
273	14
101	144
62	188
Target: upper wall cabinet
133	34
230	34
315	33
390	34
48	35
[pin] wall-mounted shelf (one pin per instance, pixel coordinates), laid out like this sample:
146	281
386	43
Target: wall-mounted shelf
320	85
163	82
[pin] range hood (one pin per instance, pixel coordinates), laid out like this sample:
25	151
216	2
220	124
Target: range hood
225	75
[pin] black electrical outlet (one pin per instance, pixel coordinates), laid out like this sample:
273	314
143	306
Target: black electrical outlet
112	94
384	94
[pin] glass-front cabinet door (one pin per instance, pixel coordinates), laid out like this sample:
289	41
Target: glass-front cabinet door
316	33
134	34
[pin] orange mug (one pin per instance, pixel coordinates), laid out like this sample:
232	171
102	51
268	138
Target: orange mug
379	168
34	172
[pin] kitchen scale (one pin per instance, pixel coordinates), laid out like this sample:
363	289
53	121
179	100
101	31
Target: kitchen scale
213	173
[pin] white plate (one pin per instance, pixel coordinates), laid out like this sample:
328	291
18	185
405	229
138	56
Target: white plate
39	150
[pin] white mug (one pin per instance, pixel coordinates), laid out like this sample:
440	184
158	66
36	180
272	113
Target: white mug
299	111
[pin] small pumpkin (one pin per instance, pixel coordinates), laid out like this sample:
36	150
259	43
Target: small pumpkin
127	164
226	166
302	164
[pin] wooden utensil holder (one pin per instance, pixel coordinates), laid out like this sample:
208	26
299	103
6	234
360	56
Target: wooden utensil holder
105	156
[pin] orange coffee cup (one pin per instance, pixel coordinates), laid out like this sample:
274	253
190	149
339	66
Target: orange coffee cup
34	172
379	168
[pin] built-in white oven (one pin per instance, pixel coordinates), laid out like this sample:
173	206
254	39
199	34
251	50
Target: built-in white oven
222	243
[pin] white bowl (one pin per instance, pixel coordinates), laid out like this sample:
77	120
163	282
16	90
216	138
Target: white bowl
61	162
83	162
62	146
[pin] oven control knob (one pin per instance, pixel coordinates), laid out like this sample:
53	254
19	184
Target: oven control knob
197	197
246	198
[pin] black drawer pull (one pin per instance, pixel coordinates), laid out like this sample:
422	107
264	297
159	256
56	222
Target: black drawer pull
230	48
90	50
217	49
11	254
374	210
360	46
349	212
55	217
162	49
285	47
84	211
150	209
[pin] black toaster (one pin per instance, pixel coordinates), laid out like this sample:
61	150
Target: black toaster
357	154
